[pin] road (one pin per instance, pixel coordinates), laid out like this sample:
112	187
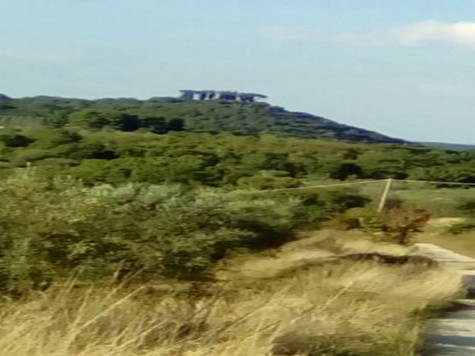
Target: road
453	332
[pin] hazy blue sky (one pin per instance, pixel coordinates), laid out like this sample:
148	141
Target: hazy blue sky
405	68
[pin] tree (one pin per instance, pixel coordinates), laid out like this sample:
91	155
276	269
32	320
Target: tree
56	119
345	170
92	150
175	124
51	138
123	121
13	139
157	125
90	118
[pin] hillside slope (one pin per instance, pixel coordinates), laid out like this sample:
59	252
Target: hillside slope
449	146
209	116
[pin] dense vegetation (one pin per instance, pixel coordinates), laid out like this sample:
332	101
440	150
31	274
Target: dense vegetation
122	244
358	309
135	270
51	228
161	115
450	146
167	196
123	185
111	156
165	140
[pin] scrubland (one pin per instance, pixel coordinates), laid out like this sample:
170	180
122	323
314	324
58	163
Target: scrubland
288	302
141	270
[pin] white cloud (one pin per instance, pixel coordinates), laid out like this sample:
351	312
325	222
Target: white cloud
414	34
419	33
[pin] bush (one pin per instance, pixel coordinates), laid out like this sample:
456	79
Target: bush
50	228
14	140
396	225
266	183
316	207
401	224
358	218
467	206
462	227
21	158
341	200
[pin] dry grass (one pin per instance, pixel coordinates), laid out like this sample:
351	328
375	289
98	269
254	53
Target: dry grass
353	241
345	308
436	233
462	243
311	248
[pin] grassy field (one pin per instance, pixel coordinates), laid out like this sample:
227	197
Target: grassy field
283	302
436	233
441	202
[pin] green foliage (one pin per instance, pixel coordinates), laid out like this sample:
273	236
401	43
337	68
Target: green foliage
22	157
344	170
213	160
13	139
264	183
340	200
317	207
462	227
92	119
467	206
365	218
50	138
118	119
460	173
205	143
50	228
210	116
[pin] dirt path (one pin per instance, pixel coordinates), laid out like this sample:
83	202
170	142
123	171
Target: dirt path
453	333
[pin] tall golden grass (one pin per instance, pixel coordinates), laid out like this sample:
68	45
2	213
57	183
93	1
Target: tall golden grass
436	233
342	308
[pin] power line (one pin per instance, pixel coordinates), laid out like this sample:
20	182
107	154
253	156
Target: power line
433	182
319	186
360	183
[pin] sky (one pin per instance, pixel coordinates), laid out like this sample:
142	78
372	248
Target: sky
404	68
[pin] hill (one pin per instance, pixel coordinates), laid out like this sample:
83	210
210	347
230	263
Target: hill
450	146
195	116
214	143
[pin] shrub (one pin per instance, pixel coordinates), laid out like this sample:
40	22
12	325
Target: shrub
397	225
467	206
267	182
340	201
394	203
50	228
21	158
358	218
14	140
462	227
316	207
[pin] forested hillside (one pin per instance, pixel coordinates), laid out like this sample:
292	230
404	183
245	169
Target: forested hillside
164	114
450	146
205	143
164	197
262	162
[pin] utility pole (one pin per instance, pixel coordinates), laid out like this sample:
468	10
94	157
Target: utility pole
384	197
